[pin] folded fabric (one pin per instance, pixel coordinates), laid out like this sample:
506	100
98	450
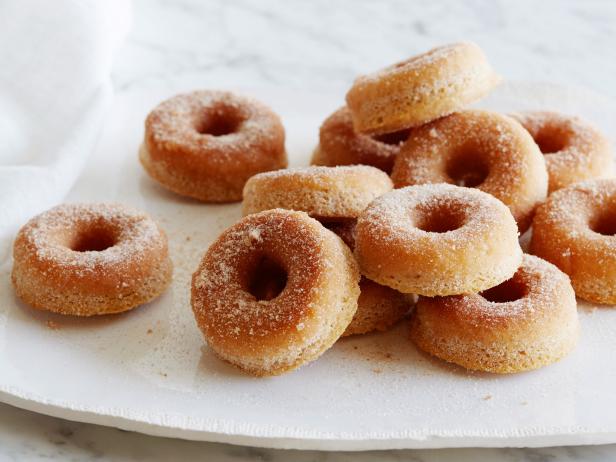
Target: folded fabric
55	84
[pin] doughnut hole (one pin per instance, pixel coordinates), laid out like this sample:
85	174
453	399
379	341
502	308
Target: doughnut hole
508	291
267	279
220	121
551	139
92	238
393	139
467	168
604	222
439	218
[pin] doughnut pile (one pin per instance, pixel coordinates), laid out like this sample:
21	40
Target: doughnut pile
412	209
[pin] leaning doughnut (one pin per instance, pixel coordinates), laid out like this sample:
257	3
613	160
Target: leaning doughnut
340	144
206	144
85	260
479	149
322	192
574	150
275	291
527	322
420	89
437	240
576	230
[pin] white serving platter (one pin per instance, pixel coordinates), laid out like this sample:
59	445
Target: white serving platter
149	370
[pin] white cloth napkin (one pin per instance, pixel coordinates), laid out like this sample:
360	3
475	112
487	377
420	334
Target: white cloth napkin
55	65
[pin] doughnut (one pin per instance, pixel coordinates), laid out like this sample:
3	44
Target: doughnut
275	291
378	308
574	150
576	230
90	259
340	144
322	192
526	322
422	88
479	149
437	239
206	144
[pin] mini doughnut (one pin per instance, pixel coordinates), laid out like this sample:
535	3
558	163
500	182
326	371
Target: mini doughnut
322	192
527	322
340	144
206	144
420	89
574	150
378	308
275	291
479	149
576	230
437	239
86	260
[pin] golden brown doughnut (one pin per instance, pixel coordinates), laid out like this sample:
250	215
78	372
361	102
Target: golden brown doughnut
85	260
575	229
206	144
275	291
340	144
479	149
322	192
574	150
527	322
437	239
420	89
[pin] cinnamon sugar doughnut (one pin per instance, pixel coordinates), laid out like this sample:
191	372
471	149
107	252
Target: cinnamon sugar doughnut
420	89
340	144
481	149
86	260
206	144
527	322
574	150
322	192
275	291
576	230
437	239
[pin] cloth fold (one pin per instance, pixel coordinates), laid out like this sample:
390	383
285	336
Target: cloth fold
55	85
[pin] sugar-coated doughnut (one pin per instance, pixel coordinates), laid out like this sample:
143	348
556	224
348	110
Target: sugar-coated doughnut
437	239
481	149
527	322
322	192
420	89
275	291
90	259
206	144
576	230
340	144
378	308
574	150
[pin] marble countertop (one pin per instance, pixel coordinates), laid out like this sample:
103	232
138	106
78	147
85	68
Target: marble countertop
184	44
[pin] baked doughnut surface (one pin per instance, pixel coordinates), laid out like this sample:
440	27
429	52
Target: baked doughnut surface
420	89
340	144
574	150
206	144
437	239
526	322
575	230
275	291
322	192
481	149
90	259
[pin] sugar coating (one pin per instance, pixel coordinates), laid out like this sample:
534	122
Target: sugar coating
582	151
334	192
538	327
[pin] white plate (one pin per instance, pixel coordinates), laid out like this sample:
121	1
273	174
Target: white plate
149	370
